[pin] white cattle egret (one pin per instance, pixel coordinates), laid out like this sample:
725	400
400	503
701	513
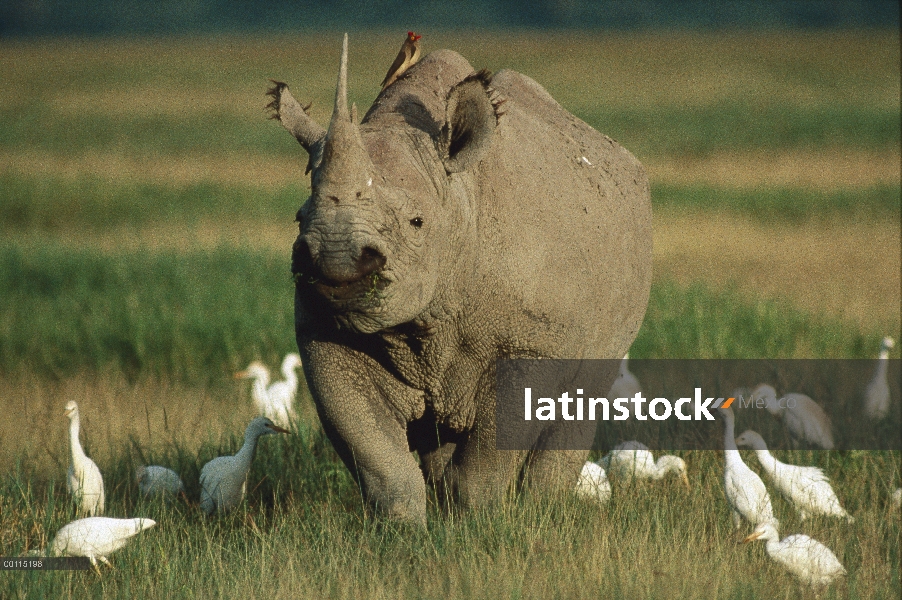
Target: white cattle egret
802	416
83	479
626	385
876	395
260	375
275	401
223	480
806	487
593	483
155	480
804	557
633	460
897	499
745	491
281	393
96	537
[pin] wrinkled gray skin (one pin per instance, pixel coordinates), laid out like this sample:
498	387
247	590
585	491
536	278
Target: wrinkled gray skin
458	223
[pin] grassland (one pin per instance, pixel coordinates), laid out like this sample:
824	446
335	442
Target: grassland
146	210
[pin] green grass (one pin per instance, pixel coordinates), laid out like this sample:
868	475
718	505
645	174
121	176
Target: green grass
780	205
187	316
303	532
698	322
143	136
737	126
668	130
192	315
57	204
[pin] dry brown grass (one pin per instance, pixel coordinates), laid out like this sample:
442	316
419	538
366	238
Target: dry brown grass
823	170
155	414
269	173
847	269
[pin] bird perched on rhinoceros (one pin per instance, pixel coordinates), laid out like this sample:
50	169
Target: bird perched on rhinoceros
407	57
439	237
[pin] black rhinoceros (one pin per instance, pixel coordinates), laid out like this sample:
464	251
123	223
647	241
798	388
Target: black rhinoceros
466	218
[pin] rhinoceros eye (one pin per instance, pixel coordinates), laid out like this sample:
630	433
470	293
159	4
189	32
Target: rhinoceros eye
416	222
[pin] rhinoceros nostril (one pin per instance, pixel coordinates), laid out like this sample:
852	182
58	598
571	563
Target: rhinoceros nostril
370	261
301	259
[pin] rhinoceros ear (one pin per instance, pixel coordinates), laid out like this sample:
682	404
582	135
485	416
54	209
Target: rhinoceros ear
470	120
293	117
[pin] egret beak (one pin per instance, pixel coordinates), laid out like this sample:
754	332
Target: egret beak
685	479
753	536
240	375
68	412
278	429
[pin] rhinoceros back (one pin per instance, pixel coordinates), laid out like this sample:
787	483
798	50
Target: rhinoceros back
565	224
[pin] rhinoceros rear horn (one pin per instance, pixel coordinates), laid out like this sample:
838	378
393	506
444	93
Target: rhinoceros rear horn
470	120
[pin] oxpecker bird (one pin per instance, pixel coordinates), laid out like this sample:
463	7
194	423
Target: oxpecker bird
407	57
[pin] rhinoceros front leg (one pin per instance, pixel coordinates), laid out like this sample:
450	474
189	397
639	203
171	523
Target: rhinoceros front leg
370	438
480	473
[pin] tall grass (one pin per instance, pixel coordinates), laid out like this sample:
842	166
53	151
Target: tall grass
302	531
702	131
183	316
698	322
193	316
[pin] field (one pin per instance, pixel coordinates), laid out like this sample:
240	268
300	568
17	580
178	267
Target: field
146	221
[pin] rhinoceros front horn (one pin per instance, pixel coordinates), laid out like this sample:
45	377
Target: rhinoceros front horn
345	165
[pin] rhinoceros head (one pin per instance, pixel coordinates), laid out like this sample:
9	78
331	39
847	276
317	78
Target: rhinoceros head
375	237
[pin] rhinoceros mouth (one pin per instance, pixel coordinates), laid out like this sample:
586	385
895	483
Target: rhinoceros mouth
368	289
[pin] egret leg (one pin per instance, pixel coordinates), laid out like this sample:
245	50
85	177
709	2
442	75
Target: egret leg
737	520
105	561
94	564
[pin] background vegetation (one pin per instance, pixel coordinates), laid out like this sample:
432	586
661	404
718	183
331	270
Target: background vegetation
21	17
146	210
